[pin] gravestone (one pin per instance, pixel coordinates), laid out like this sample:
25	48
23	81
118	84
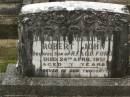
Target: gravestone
74	39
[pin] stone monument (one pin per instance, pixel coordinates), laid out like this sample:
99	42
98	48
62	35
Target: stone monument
74	39
72	49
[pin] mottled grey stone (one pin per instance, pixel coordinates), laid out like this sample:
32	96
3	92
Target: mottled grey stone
15	84
71	25
12	77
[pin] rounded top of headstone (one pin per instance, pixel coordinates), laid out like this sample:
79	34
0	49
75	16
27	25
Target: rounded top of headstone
74	5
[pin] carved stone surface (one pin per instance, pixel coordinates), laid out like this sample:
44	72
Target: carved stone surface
73	44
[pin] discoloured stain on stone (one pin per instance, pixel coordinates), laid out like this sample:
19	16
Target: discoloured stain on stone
68	26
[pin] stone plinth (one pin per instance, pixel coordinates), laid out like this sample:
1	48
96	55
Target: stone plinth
15	84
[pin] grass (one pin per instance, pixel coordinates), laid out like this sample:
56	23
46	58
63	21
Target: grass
8	43
8	53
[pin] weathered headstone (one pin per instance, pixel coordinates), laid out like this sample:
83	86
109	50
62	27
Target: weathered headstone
74	39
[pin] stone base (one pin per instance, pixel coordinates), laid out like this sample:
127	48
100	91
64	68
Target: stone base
15	84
